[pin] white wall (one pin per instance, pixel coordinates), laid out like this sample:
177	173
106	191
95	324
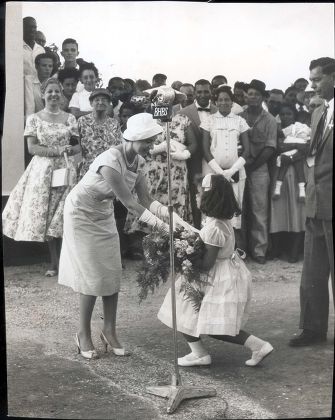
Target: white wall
12	140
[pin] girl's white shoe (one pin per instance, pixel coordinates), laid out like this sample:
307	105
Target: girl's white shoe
193	360
258	356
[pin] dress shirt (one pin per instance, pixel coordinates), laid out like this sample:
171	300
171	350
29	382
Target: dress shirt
330	113
236	108
29	55
203	115
116	110
81	100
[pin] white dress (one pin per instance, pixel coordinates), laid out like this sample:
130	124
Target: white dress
224	309
90	261
225	133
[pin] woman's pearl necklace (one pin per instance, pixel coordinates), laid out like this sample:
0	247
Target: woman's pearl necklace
52	113
130	165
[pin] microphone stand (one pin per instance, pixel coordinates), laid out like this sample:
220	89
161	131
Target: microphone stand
176	392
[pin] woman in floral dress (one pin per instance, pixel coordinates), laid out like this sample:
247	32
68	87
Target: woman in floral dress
34	211
156	171
97	131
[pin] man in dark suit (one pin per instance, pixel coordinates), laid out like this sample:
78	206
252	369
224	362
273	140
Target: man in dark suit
319	254
197	113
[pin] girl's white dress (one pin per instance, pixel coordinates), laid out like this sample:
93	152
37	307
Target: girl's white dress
224	309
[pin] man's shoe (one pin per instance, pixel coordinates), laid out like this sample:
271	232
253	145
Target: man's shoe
260	260
307	338
192	360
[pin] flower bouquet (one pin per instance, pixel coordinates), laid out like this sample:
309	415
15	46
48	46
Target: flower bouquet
188	253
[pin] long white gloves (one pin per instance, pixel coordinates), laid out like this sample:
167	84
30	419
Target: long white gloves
215	167
160	211
152	220
228	173
181	155
158	148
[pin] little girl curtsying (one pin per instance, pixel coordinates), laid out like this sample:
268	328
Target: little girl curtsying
224	308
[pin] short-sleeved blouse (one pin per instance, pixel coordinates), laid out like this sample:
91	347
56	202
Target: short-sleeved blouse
95	184
219	233
225	132
81	100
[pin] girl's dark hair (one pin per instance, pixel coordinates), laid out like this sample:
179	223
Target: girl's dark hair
220	201
223	89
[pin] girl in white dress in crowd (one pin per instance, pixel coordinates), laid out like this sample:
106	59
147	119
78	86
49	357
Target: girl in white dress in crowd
226	145
225	306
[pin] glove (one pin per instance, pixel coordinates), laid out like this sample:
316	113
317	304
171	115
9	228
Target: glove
158	148
152	220
175	146
228	173
215	167
159	209
181	155
179	221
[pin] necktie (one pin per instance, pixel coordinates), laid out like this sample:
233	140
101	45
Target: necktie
319	132
204	109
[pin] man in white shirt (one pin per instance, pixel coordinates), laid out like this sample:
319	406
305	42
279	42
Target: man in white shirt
30	51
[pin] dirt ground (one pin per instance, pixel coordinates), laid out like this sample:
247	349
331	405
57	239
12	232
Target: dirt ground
48	379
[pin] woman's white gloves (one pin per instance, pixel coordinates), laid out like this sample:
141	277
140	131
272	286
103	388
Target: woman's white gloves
215	167
158	148
178	150
160	211
228	173
152	220
181	155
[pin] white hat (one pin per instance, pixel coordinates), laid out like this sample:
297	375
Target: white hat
141	127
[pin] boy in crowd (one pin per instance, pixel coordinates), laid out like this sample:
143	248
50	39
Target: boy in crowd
69	78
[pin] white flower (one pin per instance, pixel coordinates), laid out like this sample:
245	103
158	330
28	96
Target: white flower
189	250
187	263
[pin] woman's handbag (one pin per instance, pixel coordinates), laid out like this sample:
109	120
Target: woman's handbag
62	177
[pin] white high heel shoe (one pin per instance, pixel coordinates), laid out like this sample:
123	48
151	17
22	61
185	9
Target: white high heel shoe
88	354
116	350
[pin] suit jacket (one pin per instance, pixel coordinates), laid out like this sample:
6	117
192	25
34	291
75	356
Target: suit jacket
319	187
194	164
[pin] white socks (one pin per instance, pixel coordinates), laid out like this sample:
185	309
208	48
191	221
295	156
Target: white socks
254	343
197	348
278	187
301	189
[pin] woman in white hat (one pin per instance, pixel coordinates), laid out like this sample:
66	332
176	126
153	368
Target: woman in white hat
90	260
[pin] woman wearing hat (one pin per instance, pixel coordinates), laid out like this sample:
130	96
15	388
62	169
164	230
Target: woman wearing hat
90	260
97	131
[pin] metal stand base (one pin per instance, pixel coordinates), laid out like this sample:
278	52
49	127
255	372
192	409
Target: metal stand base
177	393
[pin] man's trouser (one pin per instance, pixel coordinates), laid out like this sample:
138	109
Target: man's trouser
258	210
318	264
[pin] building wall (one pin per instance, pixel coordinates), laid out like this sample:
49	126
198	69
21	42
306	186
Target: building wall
12	140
